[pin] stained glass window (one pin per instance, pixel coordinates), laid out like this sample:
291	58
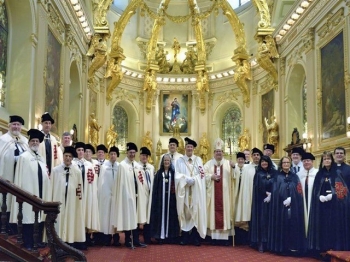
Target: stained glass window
232	128
120	121
3	51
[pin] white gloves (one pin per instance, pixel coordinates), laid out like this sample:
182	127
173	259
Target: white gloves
268	198
190	181
326	198
287	201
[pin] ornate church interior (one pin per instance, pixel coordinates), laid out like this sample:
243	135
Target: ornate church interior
250	72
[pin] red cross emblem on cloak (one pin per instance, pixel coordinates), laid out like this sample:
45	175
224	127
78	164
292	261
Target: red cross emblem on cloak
299	189
55	151
78	191
90	176
201	171
341	190
140	176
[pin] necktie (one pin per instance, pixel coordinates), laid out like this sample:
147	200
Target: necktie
307	189
82	168
48	151
295	169
190	160
67	179
40	178
113	170
298	168
147	176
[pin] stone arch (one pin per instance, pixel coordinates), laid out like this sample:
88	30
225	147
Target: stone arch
133	120
21	50
74	111
294	106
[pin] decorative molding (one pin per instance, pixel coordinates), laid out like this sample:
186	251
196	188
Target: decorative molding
309	40
210	99
267	85
228	96
55	20
123	94
177	87
34	39
332	21
282	66
143	45
255	87
141	98
132	82
84	64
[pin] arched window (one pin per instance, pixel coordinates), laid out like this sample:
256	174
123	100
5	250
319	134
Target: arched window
232	128
120	121
3	51
237	3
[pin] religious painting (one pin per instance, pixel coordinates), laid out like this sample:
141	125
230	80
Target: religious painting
333	88
232	129
120	126
267	112
175	109
52	78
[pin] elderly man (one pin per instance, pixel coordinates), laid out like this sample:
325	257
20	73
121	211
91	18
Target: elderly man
191	195
339	158
297	164
269	150
12	145
149	173
67	188
307	178
173	145
66	140
129	198
50	150
220	195
90	182
244	184
31	175
106	182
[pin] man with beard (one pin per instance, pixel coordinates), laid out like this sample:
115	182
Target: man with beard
12	145
32	176
49	150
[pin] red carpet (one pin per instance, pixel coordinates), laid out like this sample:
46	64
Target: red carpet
172	253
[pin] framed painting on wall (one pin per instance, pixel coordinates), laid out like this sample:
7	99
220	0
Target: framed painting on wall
175	108
52	78
333	119
267	111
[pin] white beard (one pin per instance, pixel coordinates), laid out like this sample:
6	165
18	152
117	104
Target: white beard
34	148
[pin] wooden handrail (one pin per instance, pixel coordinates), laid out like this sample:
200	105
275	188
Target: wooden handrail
59	250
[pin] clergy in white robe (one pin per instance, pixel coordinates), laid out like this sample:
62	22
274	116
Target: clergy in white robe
129	198
220	196
148	169
12	145
49	149
191	195
67	188
307	178
32	176
89	152
90	184
173	145
106	182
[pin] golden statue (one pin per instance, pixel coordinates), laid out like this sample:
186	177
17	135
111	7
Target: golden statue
244	141
98	49
176	134
243	73
164	66
94	130
266	52
111	137
176	46
202	83
189	62
147	142
272	132
204	148
114	70
150	86
100	8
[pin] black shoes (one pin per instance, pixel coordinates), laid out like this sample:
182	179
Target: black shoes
137	244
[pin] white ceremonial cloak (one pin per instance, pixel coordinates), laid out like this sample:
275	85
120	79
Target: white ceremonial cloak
70	225
302	176
245	193
106	182
90	199
124	213
7	160
191	200
227	198
56	152
26	177
149	187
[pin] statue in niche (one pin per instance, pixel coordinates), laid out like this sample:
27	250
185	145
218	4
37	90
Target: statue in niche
147	142
204	148
98	49
202	83
176	46
150	86
111	137
94	130
242	73
272	132
189	62
113	70
295	137
176	134
244	141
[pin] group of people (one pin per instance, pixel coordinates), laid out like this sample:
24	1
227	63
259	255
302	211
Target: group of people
292	208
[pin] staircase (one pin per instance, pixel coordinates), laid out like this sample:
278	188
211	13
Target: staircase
11	246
